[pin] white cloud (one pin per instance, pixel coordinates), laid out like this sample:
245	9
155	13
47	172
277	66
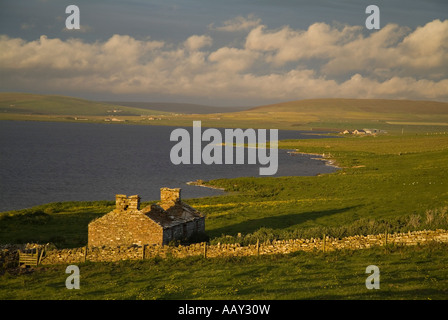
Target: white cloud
287	45
233	59
282	64
196	42
239	23
393	50
427	47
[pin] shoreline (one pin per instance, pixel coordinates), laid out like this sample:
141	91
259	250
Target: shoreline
199	183
328	162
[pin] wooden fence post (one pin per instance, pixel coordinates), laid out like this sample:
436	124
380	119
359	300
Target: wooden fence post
324	239
41	254
143	251
205	250
258	247
385	240
85	253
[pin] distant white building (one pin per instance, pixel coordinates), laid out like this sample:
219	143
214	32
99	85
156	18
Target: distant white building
374	131
359	132
364	131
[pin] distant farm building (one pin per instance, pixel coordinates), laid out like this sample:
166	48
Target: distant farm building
363	132
374	131
160	223
113	119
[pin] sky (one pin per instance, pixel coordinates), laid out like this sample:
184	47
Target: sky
225	53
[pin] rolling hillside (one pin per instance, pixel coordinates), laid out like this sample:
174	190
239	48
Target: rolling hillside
331	106
185	108
36	104
313	114
355	114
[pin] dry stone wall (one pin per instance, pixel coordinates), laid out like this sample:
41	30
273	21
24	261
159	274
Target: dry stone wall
99	254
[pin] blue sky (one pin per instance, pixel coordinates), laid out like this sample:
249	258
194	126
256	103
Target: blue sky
225	52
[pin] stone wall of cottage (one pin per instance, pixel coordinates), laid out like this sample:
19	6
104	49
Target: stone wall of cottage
119	228
184	230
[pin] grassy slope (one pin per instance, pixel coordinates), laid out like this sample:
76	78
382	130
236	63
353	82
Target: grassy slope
405	273
186	108
354	113
335	114
25	103
413	108
315	114
382	178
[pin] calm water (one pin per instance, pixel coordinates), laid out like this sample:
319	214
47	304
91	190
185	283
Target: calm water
43	162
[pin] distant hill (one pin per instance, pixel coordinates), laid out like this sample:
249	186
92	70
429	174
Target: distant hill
312	114
332	106
38	104
185	108
339	114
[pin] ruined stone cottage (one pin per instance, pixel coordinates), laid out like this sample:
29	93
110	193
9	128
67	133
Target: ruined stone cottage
169	219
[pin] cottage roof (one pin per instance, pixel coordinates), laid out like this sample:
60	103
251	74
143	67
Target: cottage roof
177	214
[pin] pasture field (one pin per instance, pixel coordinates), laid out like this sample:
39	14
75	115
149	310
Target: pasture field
406	273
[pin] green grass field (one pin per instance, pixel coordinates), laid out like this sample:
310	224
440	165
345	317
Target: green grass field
382	179
405	273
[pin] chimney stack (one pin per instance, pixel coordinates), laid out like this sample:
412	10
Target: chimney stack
167	194
169	197
134	202
123	203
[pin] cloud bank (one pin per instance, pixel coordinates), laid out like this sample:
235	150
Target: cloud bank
282	64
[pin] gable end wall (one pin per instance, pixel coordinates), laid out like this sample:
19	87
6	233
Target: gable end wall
124	228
